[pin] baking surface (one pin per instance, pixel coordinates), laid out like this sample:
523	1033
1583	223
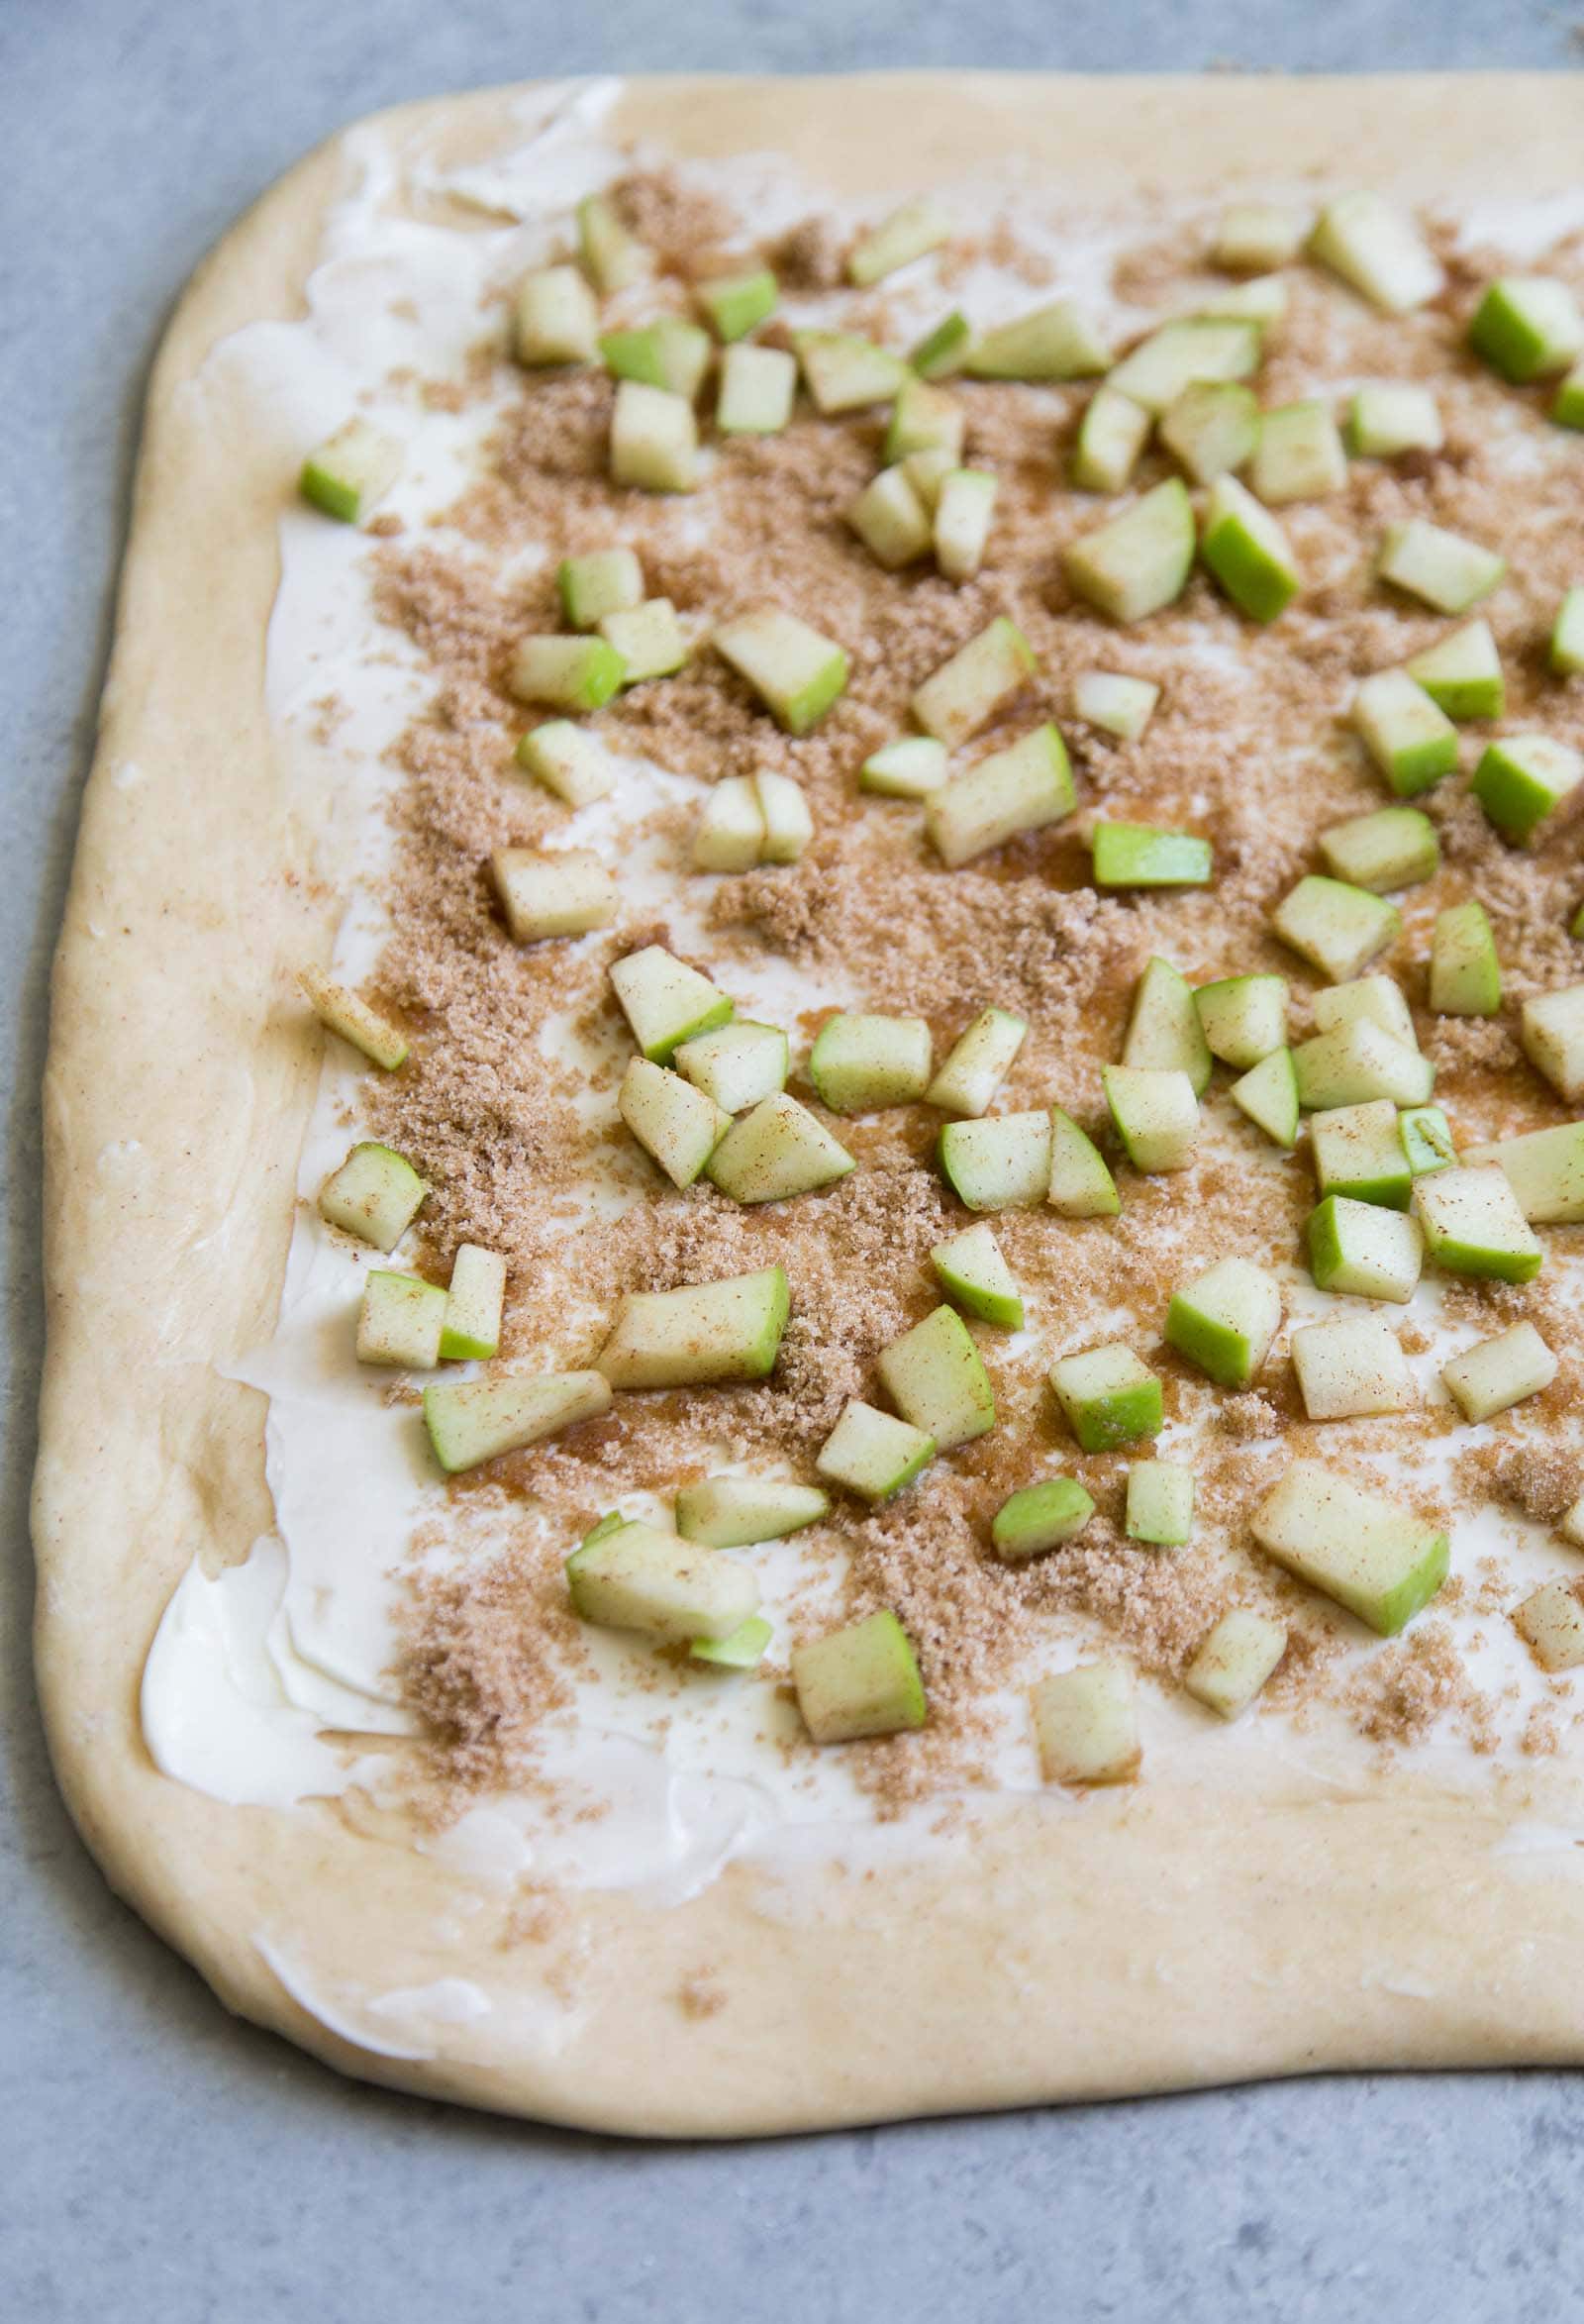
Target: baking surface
138	2109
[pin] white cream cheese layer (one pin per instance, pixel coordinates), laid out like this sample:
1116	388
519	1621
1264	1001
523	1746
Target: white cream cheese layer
253	1670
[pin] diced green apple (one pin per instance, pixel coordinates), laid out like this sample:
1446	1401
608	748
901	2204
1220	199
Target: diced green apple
737	1065
1522	779
1552	1030
890	520
471	1332
735	304
563	891
908	769
606	581
1566	650
1120	706
962	515
1156	1115
1463	673
978	1062
788	823
935	1377
1495	1374
1080	1186
925	419
777	1150
1527	326
1268	1094
572	763
1243	1017
858	1682
1108	1396
700	1334
941	353
973	1272
614	258
1164	1034
570	674
1351	1368
1409	738
1248	552
1473	1225
1337	928
1377	248
1226	1320
795	671
1254	237
1040	1517
1299	454
649	638
1391	848
655	440
1465	977
673	1121
742	1650
1567	407
874	1453
635	1576
1211	428
1060	341
1138	562
979	681
1002	1163
346	1013
1263	301
1356	1062
374	1195
400	1321
668	352
844	372
556	319
1358	1152
1235	1662
861	1063
1545	1170
1111	435
909	233
1178	354
1427	1140
1363	1248
1377	999
1137	854
1086	1725
1441	568
730	834
1389	417
1551	1622
1374	1556
350	472
470	1421
664	1001
1024	787
730	1512
1160	1504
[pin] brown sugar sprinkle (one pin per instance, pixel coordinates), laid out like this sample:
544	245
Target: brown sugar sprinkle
1249	746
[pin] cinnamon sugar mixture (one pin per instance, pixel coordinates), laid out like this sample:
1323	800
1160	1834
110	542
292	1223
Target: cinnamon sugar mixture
507	1104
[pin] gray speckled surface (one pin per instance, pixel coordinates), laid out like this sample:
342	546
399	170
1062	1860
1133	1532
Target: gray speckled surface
159	2161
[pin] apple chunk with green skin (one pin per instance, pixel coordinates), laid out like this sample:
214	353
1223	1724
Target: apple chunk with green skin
757	392
874	1453
346	1013
556	319
862	1063
1254	237
1358	1152
1545	1170
1463	673
1118	705
1086	1725
606	581
1160	1504
890	520
1374	1556
979	681
553	892
1057	342
1553	1033
1080	1186
1211	428
700	1334
1441	568
730	1512
1164	1034
1111	434
909	233
1235	1662
1465	977
1522	779
374	1195
655	440
978	1062
1022	789
844	372
472	1421
925	419
1377	248
614	258
1427	1140
1527	326
1377	1000
795	671
737	1065
1389	417
1141	560
1248	552
735	304
1225	1321
1001	1163
674	1123
1040	1517
1299	454
352	471
1336	927
1568	407
649	638
1365	1249
908	769
973	1272
1156	1115
665	1002
858	1682
635	1576
1243	1017
1268	1094
1566	650
473	1305
1178	354
1356	1062
941	351
730	834
1495	1374
1409	737
401	1320
1109	1397
963	511
570	674
573	764
776	1152
788	823
668	352
935	1377
742	1650
1473	1225
1351	1368
1137	855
